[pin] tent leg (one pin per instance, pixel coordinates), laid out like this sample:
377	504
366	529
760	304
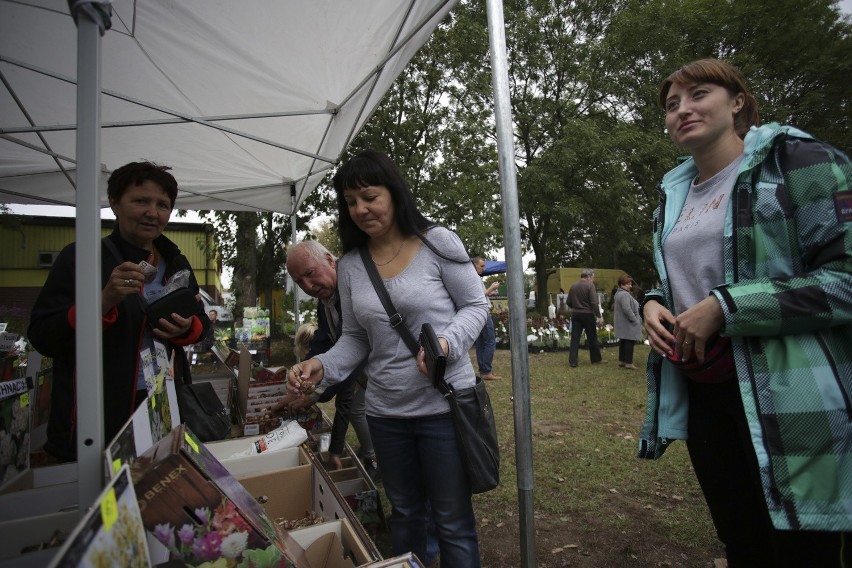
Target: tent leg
514	278
90	432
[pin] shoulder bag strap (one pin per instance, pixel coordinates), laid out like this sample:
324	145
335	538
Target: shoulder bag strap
112	249
395	317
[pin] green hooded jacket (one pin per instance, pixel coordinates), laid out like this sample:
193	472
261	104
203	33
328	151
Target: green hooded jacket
787	304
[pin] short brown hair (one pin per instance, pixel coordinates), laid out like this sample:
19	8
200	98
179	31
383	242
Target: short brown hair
719	73
624	279
136	173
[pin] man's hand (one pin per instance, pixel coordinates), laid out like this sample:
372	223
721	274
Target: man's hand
303	377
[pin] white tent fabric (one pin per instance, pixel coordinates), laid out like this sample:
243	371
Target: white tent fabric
242	99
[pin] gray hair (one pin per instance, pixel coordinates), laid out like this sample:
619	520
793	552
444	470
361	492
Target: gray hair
587	272
312	247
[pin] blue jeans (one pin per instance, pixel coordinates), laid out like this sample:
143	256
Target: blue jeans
420	465
486	344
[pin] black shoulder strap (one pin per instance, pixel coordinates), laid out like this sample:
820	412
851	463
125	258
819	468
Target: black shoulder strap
395	318
118	259
112	249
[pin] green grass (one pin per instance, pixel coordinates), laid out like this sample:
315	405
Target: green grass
585	429
586	476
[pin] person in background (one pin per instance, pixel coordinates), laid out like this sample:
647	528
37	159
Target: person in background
486	343
314	269
142	196
429	279
752	326
302	340
626	320
585	315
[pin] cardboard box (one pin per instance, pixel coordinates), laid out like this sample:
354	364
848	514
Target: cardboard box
270	462
180	483
38	501
334	545
292	493
20	534
408	560
43	476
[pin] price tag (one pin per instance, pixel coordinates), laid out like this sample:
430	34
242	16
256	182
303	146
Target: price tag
191	442
109	509
25	399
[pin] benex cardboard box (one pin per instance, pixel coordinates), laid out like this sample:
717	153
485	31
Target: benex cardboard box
193	506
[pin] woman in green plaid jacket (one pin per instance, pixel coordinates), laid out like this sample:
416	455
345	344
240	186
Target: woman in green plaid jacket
753	243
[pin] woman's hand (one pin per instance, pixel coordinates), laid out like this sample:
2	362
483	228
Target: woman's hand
421	355
125	279
656	317
694	326
166	329
303	377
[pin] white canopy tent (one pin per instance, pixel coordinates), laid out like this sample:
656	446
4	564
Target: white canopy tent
242	99
249	102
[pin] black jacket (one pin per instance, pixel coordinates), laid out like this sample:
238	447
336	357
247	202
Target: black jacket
52	332
343	391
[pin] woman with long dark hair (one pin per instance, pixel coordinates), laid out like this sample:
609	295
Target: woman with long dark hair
429	278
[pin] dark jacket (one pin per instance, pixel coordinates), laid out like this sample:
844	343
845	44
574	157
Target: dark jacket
52	333
343	391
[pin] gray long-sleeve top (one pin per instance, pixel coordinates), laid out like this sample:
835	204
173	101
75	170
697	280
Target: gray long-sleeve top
430	289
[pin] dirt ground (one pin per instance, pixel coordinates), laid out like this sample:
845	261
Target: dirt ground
588	543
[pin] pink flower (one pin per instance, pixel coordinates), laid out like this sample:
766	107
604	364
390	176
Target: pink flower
207	548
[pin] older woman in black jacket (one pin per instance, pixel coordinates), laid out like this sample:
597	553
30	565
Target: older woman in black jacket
136	262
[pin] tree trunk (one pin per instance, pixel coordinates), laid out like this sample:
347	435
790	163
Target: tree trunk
245	264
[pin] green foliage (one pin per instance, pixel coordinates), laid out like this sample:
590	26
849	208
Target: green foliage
590	141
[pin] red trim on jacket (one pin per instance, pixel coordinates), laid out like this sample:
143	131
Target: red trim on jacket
108	318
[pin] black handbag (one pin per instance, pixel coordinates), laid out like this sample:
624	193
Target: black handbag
436	361
181	301
473	416
202	411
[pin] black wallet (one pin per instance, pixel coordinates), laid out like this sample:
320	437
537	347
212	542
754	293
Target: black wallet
436	361
181	301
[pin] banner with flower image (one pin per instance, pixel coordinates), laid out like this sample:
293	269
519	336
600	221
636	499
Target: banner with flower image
15	427
110	534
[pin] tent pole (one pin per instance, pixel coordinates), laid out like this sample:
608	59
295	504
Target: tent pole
90	432
296	298
514	278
